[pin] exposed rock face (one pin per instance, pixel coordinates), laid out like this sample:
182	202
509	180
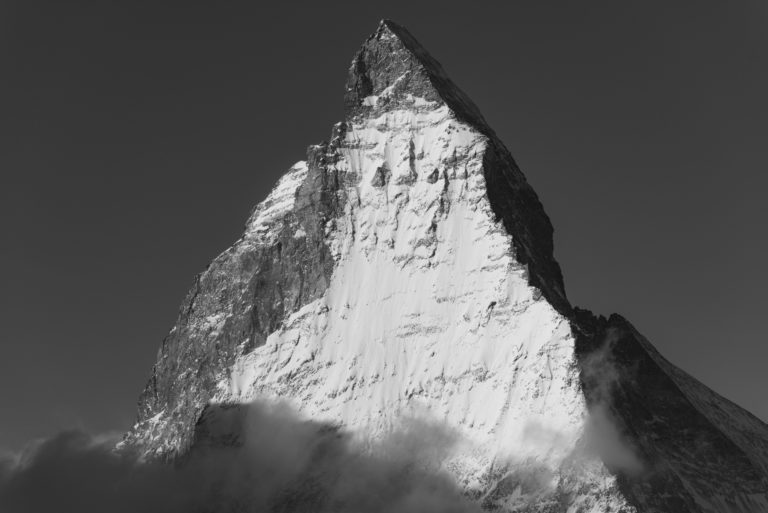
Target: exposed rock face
406	268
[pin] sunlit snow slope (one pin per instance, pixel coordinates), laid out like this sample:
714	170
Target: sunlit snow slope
405	270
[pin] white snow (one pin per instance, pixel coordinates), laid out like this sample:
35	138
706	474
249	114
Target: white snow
427	313
261	225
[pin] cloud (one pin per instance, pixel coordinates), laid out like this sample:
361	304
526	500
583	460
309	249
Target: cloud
604	440
603	436
276	462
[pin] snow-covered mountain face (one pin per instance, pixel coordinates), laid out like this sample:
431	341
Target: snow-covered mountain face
405	270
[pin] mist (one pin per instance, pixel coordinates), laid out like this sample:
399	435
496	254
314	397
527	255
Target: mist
603	434
276	463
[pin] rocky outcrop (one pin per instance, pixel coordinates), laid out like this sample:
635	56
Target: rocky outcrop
406	268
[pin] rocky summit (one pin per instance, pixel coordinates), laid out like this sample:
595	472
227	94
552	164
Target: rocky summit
405	269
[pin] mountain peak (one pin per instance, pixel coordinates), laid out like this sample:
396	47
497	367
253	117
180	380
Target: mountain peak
392	67
405	271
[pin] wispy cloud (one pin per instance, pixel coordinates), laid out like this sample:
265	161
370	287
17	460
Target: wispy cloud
279	463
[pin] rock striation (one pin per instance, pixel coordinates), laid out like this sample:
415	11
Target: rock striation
406	268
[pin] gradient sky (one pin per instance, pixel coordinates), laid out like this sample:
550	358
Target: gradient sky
135	137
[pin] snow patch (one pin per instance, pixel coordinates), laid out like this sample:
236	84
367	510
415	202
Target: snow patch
261	226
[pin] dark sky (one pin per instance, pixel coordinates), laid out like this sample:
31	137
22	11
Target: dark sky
136	136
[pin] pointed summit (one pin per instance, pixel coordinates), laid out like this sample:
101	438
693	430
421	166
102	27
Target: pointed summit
393	66
393	71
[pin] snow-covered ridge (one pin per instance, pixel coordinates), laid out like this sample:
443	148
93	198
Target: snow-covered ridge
263	224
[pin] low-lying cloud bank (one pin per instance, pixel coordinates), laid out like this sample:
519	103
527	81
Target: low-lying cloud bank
278	463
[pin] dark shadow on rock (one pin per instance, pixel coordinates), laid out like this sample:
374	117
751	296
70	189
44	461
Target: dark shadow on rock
678	448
